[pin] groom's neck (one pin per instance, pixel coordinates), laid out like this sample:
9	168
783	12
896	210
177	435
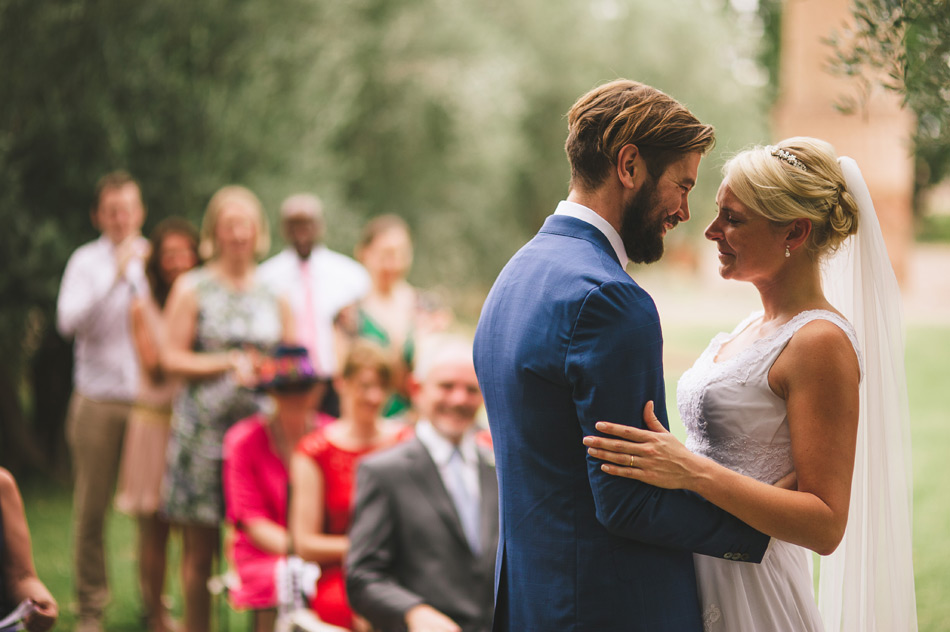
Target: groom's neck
602	200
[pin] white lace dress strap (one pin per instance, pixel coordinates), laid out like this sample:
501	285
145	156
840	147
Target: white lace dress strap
761	354
803	318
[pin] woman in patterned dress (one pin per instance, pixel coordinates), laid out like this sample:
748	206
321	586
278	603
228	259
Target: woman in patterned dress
218	318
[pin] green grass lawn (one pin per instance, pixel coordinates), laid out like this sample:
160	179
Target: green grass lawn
928	369
929	394
49	514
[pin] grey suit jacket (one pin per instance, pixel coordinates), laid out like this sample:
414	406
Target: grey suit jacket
407	545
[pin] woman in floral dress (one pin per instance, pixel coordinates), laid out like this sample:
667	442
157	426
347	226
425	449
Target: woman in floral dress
218	317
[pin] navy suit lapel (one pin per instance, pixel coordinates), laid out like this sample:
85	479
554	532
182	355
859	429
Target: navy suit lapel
427	477
579	229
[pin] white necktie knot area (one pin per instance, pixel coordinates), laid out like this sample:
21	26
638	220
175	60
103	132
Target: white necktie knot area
466	502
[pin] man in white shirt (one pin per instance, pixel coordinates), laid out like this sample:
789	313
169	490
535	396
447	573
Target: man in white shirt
98	285
425	523
317	282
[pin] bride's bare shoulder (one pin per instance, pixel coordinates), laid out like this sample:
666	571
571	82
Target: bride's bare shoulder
820	351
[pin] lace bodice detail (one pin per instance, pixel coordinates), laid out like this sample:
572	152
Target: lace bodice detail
730	413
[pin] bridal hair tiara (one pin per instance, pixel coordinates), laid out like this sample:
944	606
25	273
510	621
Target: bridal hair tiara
787	156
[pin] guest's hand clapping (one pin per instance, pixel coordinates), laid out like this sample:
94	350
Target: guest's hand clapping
129	249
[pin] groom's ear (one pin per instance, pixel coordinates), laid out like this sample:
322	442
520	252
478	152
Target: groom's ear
629	162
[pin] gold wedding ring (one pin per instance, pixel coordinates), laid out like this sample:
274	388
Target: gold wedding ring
631	460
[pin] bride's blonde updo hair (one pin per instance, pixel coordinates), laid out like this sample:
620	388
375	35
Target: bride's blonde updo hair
798	178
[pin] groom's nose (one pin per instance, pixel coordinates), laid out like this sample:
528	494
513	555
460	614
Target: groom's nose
683	211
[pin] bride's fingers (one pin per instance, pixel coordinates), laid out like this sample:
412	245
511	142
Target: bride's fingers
630	433
650	419
620	458
613	445
623	472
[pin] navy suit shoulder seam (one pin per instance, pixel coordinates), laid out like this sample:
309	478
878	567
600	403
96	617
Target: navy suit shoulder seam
577	318
593	242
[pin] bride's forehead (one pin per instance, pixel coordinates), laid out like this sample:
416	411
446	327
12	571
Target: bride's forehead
725	194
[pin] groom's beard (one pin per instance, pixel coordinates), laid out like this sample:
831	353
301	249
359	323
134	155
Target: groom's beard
641	231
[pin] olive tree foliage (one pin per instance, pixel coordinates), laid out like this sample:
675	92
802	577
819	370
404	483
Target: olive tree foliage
452	113
183	95
449	113
904	46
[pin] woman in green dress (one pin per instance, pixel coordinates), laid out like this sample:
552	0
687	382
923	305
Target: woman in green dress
394	314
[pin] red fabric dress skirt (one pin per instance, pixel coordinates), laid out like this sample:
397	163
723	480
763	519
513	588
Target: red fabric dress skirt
339	476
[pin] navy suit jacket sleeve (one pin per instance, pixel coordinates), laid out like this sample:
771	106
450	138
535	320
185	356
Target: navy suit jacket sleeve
614	364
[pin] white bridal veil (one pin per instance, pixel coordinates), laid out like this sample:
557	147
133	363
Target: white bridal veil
867	585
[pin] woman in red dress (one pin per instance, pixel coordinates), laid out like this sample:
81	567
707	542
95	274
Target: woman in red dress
323	475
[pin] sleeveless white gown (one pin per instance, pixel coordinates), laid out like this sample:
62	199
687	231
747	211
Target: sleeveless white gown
733	417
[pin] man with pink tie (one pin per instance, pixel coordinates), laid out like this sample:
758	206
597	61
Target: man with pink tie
316	281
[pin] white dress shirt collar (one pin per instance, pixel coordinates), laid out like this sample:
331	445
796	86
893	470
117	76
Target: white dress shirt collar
581	212
441	449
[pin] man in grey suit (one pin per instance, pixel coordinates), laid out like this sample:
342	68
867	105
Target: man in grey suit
425	524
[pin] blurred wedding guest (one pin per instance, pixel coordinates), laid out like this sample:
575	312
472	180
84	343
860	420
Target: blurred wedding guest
317	281
322	472
393	310
174	250
19	583
425	522
217	319
256	460
100	281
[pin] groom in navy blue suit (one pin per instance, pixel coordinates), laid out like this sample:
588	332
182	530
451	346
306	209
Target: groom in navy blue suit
566	338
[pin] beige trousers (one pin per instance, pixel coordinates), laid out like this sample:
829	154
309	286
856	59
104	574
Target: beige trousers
95	432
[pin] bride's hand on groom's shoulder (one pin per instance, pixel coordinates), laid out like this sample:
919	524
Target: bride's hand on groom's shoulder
651	455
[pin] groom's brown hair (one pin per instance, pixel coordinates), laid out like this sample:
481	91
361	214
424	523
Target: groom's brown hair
625	112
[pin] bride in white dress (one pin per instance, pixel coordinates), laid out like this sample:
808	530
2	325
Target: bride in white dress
796	397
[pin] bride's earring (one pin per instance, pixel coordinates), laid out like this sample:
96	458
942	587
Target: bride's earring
787	252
